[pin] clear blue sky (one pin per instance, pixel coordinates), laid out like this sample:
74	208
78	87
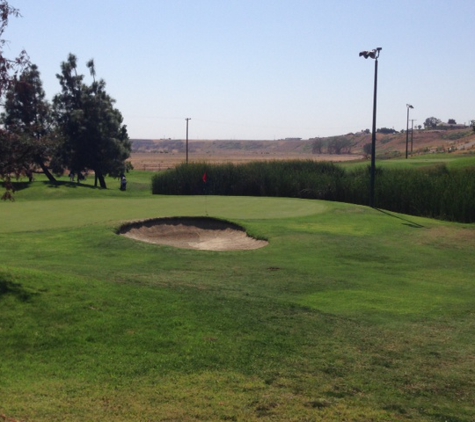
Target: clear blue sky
259	69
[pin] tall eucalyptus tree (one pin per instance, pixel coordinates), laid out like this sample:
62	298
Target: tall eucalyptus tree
95	137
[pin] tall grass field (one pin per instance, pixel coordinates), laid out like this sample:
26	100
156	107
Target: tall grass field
438	188
349	314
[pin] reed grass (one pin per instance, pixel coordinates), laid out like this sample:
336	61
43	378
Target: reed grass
431	191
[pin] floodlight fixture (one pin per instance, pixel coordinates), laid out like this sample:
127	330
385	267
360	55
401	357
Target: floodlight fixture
372	54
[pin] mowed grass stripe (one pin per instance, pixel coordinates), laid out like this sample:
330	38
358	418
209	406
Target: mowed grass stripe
52	214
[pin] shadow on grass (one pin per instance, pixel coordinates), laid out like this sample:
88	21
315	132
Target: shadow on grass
15	289
72	185
19	186
406	221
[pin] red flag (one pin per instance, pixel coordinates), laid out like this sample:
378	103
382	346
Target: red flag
205	178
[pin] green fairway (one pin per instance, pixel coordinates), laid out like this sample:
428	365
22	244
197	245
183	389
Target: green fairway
349	314
452	161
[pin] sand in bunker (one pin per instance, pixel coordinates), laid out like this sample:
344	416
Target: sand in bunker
206	234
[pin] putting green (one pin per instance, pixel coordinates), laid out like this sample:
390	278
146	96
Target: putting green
62	213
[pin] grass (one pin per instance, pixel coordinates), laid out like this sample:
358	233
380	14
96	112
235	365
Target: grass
349	314
452	161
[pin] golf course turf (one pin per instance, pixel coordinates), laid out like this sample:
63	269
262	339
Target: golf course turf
348	314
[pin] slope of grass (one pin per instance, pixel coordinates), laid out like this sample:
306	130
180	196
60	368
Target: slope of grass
452	161
349	314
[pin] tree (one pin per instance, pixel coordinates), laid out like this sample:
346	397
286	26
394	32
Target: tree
431	122
367	149
8	69
451	122
339	145
12	155
94	136
386	130
28	115
318	145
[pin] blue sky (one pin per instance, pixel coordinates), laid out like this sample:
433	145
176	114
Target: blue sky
259	69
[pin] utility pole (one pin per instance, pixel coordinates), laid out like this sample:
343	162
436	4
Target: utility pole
188	118
412	133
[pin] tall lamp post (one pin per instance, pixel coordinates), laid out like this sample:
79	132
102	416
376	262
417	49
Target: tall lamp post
412	134
408	106
187	119
373	54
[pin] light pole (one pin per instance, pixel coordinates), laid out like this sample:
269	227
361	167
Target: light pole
412	134
373	54
408	106
187	119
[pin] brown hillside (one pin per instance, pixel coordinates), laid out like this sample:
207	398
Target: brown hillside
165	153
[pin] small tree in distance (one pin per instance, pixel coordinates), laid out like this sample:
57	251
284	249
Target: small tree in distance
339	145
367	149
431	122
318	145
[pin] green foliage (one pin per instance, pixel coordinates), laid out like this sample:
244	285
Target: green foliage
27	119
9	67
339	145
14	156
333	145
95	137
367	148
318	145
303	179
12	149
431	192
431	122
386	130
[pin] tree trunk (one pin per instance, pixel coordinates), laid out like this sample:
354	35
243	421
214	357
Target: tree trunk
100	177
46	171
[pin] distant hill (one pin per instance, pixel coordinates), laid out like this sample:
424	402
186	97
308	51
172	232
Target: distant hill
455	140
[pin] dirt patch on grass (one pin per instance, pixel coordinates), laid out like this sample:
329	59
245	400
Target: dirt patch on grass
448	237
206	234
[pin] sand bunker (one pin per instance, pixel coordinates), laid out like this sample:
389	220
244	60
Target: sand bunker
206	234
